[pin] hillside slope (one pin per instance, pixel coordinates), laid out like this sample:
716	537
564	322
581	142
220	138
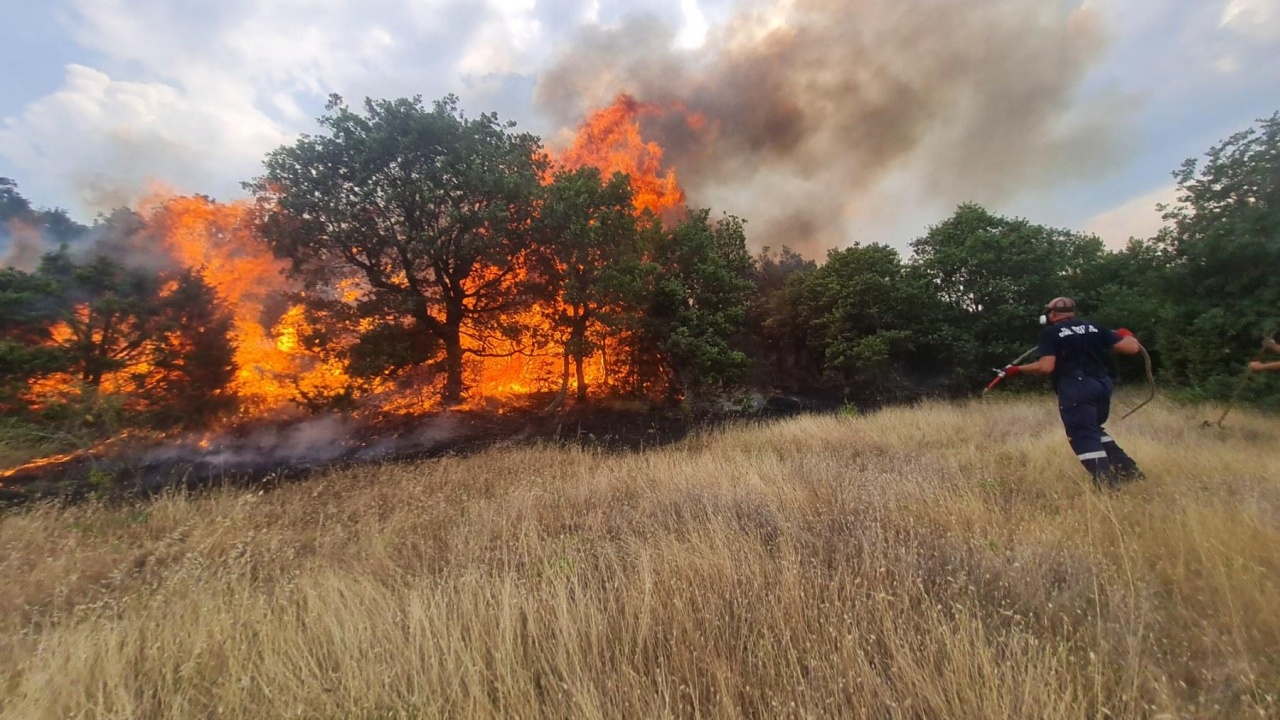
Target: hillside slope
935	561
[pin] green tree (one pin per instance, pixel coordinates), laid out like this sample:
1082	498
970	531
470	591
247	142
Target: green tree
12	203
1124	289
593	261
192	360
702	290
111	312
27	312
778	348
26	232
163	337
870	324
1223	288
429	209
994	274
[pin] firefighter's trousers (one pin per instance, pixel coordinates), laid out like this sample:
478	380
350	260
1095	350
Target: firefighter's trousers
1084	402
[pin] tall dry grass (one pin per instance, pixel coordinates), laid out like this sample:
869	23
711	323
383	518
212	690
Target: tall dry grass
929	562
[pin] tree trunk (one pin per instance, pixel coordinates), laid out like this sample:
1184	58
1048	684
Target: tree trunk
451	334
606	379
578	344
564	384
582	378
452	395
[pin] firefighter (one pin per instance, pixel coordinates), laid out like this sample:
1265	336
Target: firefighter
1073	353
1271	346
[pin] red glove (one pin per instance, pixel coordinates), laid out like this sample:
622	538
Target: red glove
1011	370
1124	332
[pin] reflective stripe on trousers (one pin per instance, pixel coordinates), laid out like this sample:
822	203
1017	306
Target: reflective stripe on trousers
1085	404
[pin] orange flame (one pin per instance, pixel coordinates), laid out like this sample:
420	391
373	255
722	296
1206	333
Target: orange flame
274	369
220	242
610	139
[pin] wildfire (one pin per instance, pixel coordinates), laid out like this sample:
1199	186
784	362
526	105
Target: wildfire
219	240
275	369
43	462
610	139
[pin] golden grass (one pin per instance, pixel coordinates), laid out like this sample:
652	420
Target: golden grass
942	561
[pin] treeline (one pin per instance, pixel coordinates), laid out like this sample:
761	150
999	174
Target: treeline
100	329
421	242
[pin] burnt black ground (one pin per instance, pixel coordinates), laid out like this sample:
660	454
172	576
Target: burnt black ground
266	454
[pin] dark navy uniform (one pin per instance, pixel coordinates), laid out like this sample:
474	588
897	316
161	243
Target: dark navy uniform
1084	395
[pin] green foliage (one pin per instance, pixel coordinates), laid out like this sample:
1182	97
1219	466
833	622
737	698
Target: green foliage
421	235
100	481
23	440
26	231
995	274
1222	288
28	309
192	360
591	259
701	293
12	204
780	349
412	203
868	323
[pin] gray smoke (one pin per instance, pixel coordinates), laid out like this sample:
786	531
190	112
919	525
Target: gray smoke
310	442
817	106
21	245
122	236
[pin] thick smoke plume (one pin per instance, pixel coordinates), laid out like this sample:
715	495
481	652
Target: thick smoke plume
21	244
818	110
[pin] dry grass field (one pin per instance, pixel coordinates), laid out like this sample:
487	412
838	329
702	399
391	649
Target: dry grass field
940	561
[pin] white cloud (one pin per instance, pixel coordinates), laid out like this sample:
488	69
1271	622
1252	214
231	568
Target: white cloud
309	46
1134	218
1258	19
196	94
693	30
104	140
1228	64
507	42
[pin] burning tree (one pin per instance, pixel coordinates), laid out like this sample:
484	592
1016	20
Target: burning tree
611	140
161	338
593	244
429	210
220	241
26	347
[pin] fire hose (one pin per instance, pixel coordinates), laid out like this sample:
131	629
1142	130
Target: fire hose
1244	380
1268	344
1146	359
1001	374
1151	383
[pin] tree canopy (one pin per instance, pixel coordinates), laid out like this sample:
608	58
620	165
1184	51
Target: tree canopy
592	249
1222	283
428	211
424	243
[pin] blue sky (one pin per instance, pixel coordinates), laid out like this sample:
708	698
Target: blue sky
104	99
